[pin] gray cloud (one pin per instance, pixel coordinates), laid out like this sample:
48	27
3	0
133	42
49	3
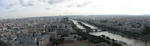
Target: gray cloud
8	3
31	2
79	5
25	3
55	1
84	4
28	3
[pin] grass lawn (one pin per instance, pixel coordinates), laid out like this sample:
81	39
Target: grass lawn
76	44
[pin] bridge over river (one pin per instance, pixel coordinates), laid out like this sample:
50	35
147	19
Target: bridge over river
91	30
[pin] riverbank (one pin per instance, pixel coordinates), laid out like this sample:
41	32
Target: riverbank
115	31
117	36
95	39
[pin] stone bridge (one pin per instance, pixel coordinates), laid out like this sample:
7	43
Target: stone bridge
91	30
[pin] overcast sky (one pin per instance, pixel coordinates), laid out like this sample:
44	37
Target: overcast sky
29	8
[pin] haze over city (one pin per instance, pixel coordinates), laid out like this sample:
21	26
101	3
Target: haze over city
33	8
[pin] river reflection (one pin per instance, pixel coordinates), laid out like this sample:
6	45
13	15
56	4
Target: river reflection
77	24
130	42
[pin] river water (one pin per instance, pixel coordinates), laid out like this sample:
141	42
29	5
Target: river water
128	41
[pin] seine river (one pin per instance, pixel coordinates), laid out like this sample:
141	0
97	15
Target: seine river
128	41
